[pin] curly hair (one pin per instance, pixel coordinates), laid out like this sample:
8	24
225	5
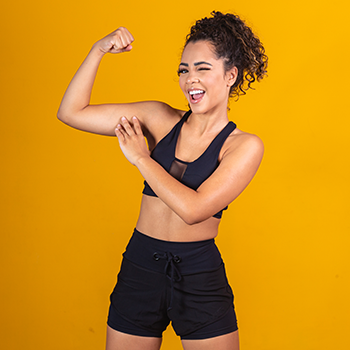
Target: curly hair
235	42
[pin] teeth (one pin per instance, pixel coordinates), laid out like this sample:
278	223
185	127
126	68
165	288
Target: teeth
194	92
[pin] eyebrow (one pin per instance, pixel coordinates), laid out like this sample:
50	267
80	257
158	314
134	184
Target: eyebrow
195	64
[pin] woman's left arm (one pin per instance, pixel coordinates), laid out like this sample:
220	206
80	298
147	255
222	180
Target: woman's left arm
237	168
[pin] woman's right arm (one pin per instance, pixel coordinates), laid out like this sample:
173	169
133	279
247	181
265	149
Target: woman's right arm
75	109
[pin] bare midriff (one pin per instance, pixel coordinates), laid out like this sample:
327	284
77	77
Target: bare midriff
157	220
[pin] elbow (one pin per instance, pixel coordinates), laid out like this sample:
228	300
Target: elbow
64	117
61	116
194	216
190	221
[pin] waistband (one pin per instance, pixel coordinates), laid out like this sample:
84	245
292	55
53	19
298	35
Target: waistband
189	257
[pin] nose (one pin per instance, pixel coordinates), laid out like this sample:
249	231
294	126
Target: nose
192	79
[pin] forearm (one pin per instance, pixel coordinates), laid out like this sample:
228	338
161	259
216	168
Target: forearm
190	205
78	93
236	170
184	201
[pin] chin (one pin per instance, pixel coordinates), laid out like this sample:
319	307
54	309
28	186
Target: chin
200	109
197	108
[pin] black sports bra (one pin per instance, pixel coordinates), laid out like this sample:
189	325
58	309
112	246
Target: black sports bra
191	174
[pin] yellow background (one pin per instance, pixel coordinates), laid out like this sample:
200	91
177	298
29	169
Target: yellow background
69	200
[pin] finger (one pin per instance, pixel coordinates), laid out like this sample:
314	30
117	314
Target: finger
126	34
128	48
125	41
124	37
112	42
118	44
129	37
127	127
137	126
121	43
119	132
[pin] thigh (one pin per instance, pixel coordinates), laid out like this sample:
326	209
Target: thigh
138	302
201	302
122	341
228	341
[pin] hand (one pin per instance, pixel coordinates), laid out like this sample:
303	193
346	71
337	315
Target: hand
131	140
118	41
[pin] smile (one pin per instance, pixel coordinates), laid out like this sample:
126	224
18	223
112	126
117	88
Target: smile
196	95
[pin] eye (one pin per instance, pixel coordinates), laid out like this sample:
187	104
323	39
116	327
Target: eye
203	68
182	71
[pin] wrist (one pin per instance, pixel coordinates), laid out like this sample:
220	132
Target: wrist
96	50
143	161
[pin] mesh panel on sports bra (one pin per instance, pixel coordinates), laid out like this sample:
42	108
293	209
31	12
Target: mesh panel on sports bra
177	169
191	174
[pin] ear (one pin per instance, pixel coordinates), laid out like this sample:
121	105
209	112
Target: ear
231	76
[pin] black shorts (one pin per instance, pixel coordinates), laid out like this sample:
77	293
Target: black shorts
181	282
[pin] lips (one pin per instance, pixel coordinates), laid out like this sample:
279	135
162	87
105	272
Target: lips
196	95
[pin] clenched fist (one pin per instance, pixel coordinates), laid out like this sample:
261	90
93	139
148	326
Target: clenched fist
118	41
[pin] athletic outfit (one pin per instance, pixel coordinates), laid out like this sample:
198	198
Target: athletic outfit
191	174
182	282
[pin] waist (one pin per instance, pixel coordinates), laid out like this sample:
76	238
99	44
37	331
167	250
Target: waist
147	191
157	220
190	257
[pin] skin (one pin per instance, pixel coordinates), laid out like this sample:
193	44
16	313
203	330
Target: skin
178	213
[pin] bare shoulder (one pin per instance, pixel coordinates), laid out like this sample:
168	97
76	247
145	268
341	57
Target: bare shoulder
241	156
241	144
158	119
157	115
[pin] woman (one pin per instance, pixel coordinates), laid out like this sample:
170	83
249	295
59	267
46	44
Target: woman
199	163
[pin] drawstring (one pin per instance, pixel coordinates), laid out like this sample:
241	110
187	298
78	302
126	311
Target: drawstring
175	275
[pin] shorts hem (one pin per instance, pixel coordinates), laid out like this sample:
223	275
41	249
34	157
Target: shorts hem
130	331
207	335
131	328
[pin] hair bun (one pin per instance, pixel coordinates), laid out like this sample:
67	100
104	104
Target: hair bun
236	44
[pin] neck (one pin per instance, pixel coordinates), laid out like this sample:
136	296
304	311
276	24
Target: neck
210	122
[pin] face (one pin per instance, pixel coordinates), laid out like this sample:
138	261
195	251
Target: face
203	79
